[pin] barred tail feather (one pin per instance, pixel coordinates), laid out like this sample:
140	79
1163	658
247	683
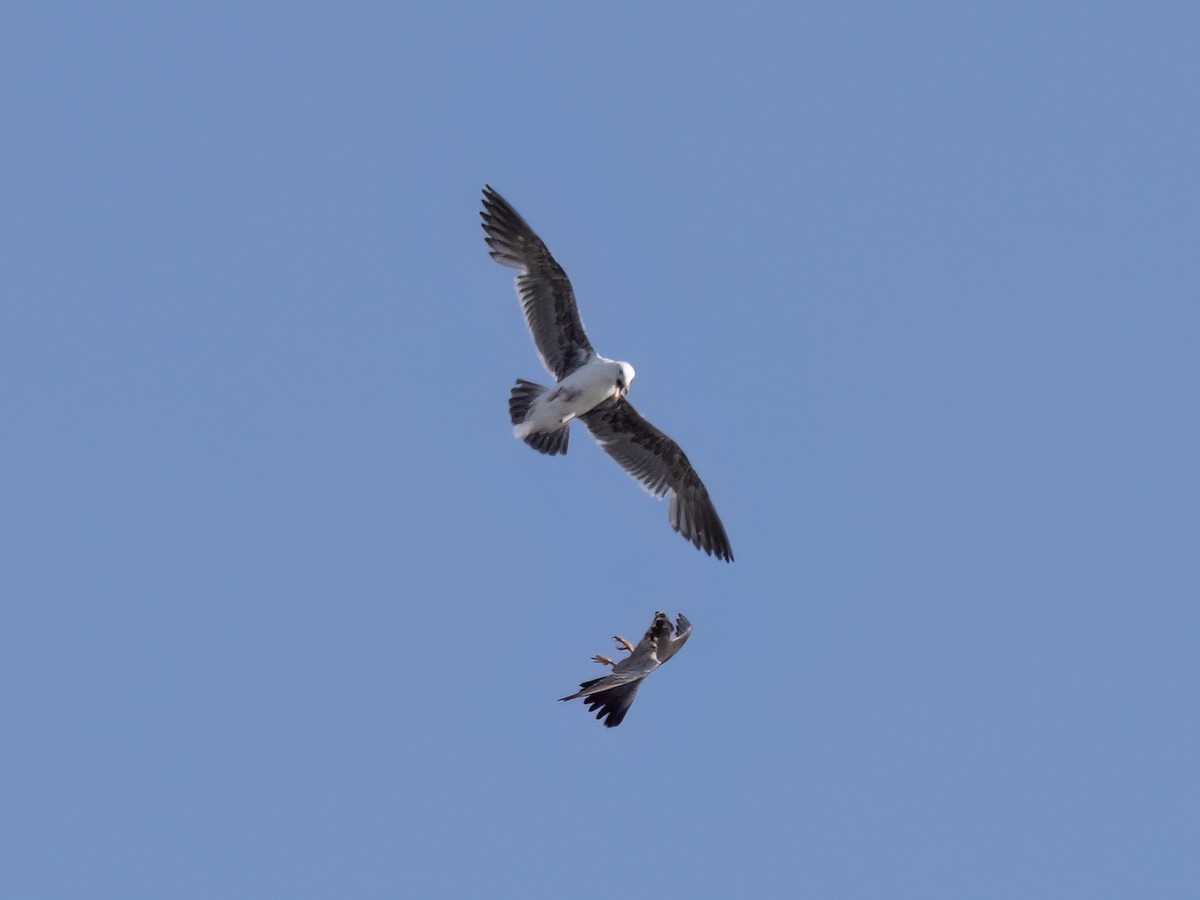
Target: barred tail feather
551	443
520	401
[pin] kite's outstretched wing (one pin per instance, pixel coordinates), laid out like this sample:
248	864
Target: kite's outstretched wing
662	468
543	288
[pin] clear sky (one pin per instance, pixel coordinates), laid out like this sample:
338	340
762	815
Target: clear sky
286	608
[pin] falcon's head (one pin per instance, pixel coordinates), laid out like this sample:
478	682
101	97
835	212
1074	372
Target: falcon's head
660	628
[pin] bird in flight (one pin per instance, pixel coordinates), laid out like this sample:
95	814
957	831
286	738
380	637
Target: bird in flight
613	694
589	386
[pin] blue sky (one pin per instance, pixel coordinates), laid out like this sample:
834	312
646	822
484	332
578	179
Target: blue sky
287	609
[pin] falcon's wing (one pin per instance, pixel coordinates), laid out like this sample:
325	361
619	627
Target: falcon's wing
671	646
662	468
545	293
612	695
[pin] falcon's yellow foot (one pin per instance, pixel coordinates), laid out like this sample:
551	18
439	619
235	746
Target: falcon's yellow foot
623	644
603	660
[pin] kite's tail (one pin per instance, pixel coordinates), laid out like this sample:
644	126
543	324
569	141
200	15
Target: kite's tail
520	401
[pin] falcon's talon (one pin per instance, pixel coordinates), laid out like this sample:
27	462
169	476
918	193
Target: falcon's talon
603	660
623	643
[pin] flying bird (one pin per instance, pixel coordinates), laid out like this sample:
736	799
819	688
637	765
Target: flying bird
589	386
613	694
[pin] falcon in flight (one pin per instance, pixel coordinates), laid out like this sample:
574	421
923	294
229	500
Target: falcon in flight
613	694
589	386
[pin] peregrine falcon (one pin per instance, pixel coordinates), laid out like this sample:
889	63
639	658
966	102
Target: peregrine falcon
589	386
613	694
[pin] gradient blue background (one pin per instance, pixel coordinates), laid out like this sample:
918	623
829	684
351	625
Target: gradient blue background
287	609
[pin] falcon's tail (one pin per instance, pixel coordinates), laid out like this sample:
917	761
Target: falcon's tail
520	401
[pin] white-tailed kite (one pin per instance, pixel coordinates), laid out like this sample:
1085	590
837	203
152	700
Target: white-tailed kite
589	386
613	694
